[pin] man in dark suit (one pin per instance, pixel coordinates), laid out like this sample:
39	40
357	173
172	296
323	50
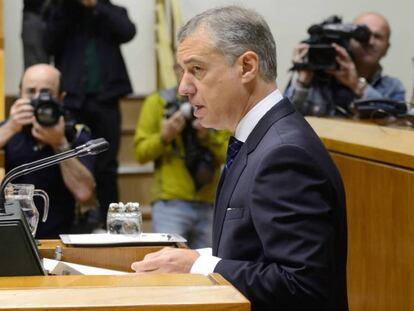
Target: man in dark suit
279	232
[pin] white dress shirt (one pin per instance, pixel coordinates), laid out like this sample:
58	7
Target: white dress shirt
206	263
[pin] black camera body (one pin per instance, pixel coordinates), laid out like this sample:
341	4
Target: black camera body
47	110
321	55
377	108
198	159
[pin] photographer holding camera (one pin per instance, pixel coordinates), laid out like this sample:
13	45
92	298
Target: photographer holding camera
37	128
326	90
187	159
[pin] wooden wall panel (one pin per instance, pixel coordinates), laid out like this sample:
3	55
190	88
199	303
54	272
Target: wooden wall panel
380	210
377	167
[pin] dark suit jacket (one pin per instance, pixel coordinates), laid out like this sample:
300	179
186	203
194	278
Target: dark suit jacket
68	26
280	219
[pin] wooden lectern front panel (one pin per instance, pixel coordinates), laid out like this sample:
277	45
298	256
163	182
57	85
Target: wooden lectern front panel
149	292
109	257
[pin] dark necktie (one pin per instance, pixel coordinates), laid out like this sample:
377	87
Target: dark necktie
232	150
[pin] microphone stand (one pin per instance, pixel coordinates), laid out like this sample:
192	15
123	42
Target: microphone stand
90	148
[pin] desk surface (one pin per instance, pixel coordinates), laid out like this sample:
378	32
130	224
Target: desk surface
369	141
147	292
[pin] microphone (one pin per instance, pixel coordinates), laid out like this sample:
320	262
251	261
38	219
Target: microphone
92	147
19	255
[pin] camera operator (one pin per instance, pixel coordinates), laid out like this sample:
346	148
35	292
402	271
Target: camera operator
187	160
358	74
25	139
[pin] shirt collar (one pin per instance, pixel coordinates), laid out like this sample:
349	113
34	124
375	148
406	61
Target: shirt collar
253	116
376	77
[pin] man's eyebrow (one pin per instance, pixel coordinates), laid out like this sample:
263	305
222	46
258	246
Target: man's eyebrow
191	60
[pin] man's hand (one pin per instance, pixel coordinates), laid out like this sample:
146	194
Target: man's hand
89	3
21	114
167	260
54	136
347	73
304	77
172	127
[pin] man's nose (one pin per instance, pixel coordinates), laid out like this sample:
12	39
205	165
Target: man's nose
186	86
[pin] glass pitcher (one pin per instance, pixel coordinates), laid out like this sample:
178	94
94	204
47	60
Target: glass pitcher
25	193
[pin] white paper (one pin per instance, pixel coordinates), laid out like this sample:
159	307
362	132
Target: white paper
67	268
105	238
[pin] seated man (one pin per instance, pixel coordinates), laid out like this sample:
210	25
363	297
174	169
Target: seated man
25	140
358	77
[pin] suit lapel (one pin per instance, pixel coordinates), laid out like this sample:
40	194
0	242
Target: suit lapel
228	183
225	190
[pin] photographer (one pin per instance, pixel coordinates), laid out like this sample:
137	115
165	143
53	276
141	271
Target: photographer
187	160
25	140
358	74
85	37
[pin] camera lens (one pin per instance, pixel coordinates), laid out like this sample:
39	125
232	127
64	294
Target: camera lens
46	109
47	113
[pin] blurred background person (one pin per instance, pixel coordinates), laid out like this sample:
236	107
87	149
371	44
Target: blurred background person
358	74
25	140
84	37
33	27
187	159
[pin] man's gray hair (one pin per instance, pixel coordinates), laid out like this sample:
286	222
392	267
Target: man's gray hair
235	30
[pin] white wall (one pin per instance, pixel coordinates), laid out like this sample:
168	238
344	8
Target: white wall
288	20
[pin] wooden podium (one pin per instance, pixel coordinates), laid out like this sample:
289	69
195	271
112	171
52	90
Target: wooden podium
149	292
377	167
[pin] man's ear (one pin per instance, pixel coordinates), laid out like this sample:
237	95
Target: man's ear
386	50
250	65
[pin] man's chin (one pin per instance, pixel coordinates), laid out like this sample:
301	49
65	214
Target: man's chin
371	59
203	122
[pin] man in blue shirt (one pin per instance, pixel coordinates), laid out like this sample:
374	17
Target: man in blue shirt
25	140
359	77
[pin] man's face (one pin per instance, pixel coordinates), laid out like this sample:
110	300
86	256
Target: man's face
37	79
370	53
213	87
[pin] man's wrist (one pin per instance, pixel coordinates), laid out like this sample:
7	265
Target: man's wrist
65	146
360	87
12	126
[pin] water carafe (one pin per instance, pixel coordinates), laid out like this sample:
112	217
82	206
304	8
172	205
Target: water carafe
24	193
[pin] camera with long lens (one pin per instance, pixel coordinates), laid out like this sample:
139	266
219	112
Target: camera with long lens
321	54
198	159
47	110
